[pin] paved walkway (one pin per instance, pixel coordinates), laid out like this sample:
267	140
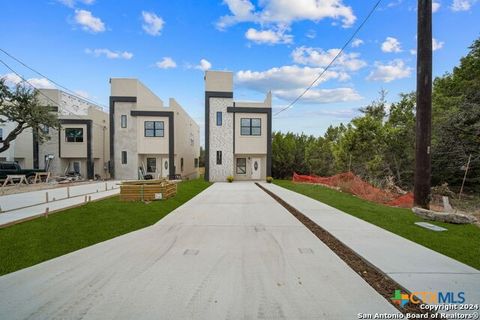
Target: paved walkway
231	252
28	205
413	266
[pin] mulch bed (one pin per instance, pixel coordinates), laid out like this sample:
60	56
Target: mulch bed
378	280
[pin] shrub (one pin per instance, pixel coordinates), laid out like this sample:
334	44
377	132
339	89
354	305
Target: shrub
230	179
269	179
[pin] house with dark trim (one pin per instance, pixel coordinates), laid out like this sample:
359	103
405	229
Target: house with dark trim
81	145
149	138
238	134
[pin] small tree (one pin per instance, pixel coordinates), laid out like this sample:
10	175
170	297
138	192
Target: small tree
20	105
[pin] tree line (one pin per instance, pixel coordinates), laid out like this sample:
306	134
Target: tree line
379	144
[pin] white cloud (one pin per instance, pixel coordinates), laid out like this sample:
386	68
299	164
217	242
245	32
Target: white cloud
311	34
393	70
436	45
166	63
357	43
286	12
153	24
391	45
283	78
320	95
39	83
72	3
204	65
271	36
435	6
89	22
462	5
109	54
320	58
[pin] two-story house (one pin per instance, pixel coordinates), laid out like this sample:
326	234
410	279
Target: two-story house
82	144
148	137
238	135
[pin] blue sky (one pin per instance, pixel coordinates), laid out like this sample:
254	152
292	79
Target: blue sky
276	45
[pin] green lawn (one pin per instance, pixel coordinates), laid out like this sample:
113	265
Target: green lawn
461	242
34	241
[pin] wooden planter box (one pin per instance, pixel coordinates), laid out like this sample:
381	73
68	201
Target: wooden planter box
147	190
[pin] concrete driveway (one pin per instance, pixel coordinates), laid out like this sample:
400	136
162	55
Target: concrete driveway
232	252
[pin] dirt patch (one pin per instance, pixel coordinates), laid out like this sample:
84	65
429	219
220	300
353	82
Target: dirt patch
378	280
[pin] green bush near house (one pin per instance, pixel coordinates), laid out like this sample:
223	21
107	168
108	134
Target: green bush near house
460	242
269	179
230	179
28	243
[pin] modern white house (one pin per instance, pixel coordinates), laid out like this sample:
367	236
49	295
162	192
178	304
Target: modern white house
149	138
238	135
81	146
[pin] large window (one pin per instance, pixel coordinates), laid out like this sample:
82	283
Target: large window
124	157
151	164
241	166
219	157
219	118
154	129
250	126
74	134
123	121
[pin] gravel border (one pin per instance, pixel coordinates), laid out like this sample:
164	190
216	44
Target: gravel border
377	279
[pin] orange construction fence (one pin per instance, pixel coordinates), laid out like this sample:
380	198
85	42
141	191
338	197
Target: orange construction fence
349	182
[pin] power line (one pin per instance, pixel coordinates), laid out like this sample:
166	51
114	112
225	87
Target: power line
56	104
291	104
52	81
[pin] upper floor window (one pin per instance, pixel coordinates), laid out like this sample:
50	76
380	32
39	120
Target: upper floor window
124	157
154	129
219	118
74	134
250	126
219	157
123	121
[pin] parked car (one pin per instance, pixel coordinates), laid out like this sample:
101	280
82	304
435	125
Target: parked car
12	168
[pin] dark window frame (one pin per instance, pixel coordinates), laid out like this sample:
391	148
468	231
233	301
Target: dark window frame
250	127
195	163
123	121
219	119
1	134
154	130
239	167
181	164
219	157
78	139
124	157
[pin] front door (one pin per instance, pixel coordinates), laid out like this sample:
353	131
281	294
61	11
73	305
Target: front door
256	169
165	169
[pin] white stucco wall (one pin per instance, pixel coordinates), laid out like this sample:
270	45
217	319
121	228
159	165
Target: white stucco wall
125	140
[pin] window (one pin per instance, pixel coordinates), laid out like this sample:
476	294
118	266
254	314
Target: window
9	166
151	164
241	166
154	129
124	157
195	162
219	118
219	157
76	167
123	121
1	134
250	126
181	164
74	134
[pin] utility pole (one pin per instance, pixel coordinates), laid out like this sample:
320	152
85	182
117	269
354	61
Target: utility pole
465	175
423	166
